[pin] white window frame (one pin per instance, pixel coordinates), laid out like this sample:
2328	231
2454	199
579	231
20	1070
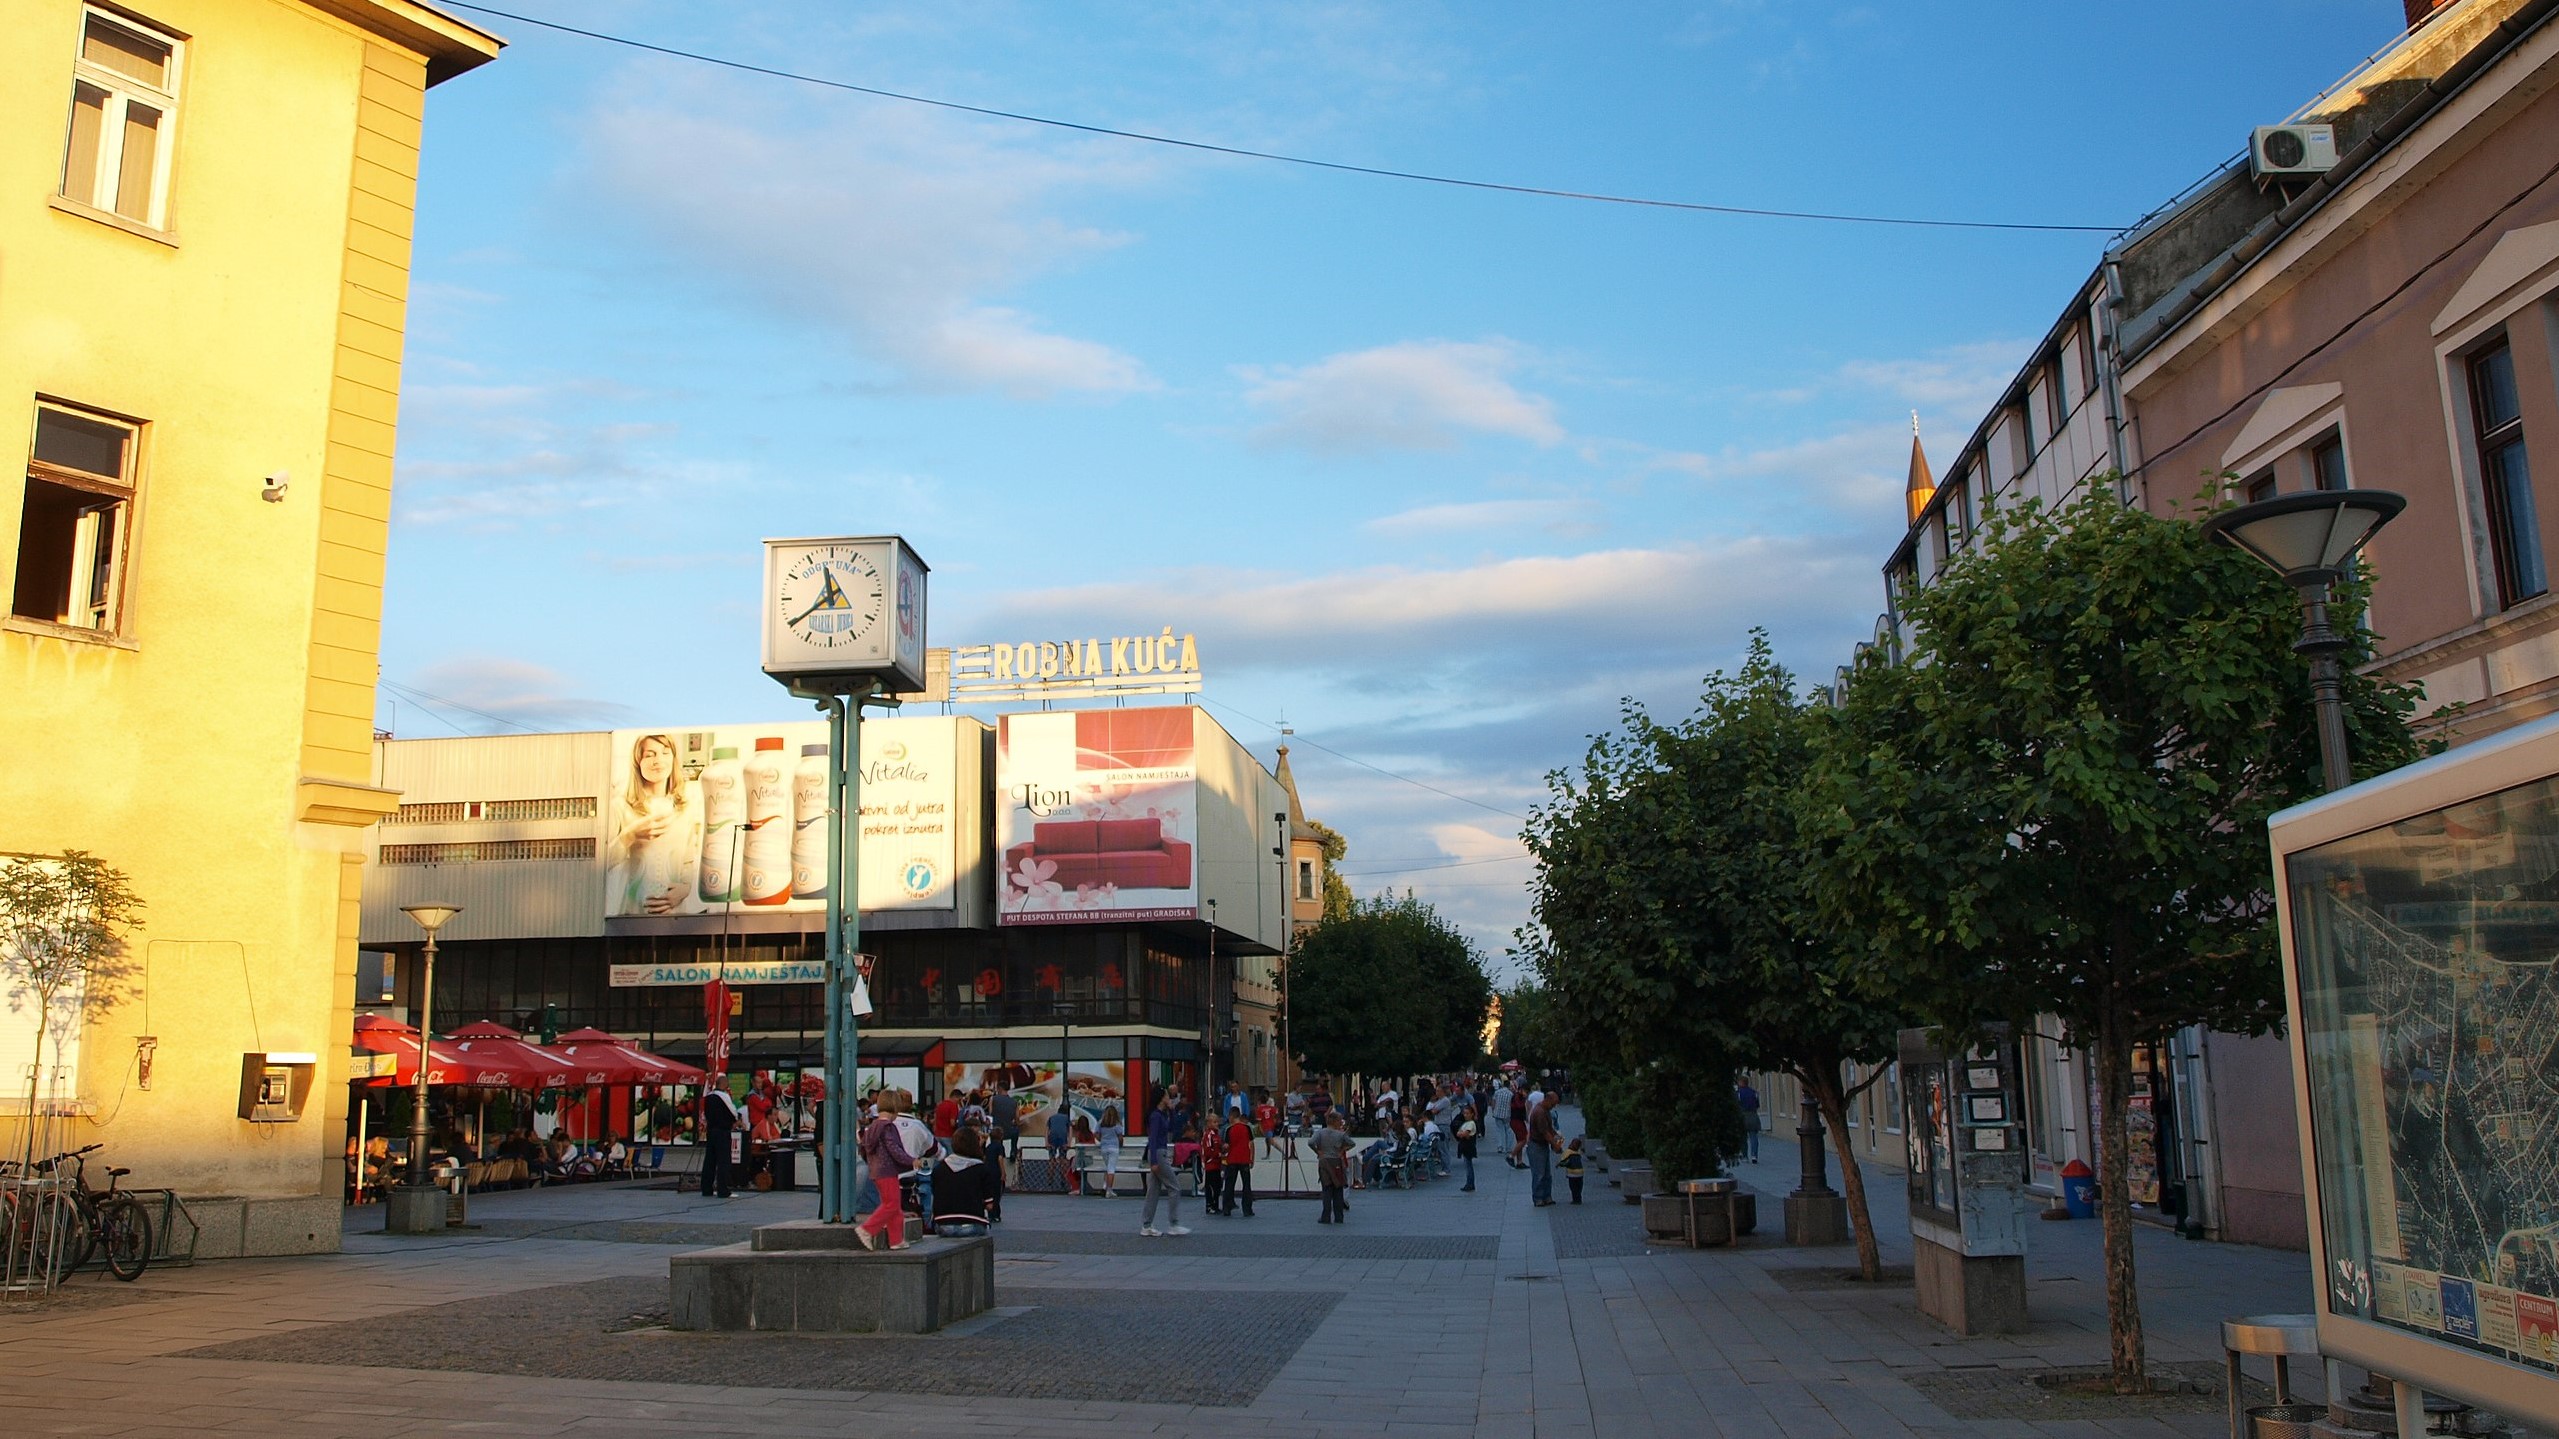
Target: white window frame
125	490
2457	336
1309	889
122	91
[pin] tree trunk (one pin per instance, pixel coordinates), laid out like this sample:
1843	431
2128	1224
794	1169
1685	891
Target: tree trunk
2114	1202
1834	1107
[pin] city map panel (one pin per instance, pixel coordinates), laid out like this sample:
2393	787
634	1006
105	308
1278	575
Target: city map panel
2430	1014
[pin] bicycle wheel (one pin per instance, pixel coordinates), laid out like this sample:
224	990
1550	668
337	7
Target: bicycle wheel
45	1238
124	1230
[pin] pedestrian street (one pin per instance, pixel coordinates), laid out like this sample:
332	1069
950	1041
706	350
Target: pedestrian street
1431	1312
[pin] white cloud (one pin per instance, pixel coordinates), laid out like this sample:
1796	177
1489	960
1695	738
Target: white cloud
897	228
1857	471
490	693
1960	380
1414	395
1552	516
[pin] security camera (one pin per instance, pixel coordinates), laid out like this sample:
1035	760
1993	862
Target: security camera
276	483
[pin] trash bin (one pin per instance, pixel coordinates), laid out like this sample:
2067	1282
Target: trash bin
783	1164
2079	1190
2285	1421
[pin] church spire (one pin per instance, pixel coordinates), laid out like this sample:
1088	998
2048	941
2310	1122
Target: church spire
1922	483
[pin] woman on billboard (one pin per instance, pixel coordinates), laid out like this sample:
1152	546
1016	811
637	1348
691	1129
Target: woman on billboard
650	843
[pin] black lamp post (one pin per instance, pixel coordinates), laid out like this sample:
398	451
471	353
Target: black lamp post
2307	538
430	917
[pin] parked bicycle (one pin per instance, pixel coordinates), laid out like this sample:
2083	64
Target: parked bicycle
55	1224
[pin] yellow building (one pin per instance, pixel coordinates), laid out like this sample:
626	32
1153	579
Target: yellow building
205	213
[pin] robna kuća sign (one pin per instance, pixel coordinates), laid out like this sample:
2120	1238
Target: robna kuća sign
1162	663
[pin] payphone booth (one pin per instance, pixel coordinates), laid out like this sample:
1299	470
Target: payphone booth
1967	1181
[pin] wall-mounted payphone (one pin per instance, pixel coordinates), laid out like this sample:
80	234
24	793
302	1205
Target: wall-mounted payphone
275	1085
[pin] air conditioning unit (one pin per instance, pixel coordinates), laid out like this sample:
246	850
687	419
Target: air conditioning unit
2285	150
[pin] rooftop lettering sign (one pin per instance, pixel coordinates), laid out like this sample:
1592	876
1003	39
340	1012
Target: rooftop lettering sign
1163	663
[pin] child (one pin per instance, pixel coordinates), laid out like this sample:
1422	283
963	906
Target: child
1573	1168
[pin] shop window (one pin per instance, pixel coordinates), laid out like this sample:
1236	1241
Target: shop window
123	112
74	523
2505	476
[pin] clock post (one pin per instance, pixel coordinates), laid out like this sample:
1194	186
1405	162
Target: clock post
843	625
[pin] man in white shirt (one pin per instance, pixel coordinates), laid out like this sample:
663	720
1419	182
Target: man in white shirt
917	1137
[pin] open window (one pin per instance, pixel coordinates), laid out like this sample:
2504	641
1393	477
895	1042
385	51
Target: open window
76	522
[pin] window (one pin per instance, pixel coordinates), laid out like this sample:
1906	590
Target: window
2259	486
2056	398
1306	879
123	97
478	851
73	527
1959	507
2087	360
2328	463
2505	476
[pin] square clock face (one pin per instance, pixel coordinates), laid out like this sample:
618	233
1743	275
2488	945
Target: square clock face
851	608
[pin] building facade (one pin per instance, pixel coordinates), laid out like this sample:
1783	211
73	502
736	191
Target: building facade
205	251
1113	930
2391	322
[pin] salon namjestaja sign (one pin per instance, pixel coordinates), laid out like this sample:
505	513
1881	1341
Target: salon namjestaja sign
2420	916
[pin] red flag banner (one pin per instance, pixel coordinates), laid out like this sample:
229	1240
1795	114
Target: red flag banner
715	1029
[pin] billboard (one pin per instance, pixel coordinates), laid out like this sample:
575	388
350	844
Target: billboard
701	821
2421	914
1096	814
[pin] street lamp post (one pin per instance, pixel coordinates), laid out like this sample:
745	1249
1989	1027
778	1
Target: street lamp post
2309	538
418	1206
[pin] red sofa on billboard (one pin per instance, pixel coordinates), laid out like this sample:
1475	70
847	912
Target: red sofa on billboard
1129	853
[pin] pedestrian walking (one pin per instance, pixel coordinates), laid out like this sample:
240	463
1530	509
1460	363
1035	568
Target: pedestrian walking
1541	1145
1006	1111
1058	1155
1159	1171
1466	1131
1573	1167
1211	1148
719	1142
1239	1164
1267	1116
884	1150
1748	1099
1106	1142
1332	1145
1513	1103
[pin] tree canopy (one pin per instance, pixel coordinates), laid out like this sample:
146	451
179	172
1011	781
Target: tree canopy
2055	803
1391	988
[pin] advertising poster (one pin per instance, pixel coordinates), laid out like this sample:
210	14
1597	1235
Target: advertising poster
2537	1328
2497	1318
1035	1088
2425	1299
698	821
2460	1308
1097	812
1093	1085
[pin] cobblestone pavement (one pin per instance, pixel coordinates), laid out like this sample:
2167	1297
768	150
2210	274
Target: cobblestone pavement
1433	1313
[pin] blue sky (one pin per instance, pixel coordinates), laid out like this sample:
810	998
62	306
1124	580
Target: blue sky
1436	475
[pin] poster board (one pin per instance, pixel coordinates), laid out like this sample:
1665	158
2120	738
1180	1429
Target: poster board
2420	926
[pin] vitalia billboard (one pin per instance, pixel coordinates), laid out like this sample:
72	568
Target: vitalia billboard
1097	816
698	821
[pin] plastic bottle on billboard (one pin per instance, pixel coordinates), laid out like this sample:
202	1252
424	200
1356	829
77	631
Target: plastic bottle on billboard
808	831
723	810
768	824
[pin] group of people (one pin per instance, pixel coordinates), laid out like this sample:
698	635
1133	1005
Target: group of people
519	1157
957	1175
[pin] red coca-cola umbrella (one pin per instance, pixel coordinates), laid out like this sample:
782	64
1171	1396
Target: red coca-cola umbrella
447	1062
599	1049
500	1057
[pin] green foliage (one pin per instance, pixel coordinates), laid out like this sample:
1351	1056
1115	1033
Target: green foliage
63	954
1692	1124
1612	1113
2056	803
1391	988
1527	1028
1337	890
1676	917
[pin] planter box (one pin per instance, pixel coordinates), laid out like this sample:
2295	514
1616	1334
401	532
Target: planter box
1666	1217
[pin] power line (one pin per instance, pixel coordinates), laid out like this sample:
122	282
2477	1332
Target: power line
422	695
1338	166
1364	764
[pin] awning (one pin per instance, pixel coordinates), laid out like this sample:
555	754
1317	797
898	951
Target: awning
595	1053
896	1051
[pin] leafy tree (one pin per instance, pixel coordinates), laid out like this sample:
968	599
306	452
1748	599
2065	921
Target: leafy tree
2056	803
1527	1028
1678	871
1337	890
63	955
1391	988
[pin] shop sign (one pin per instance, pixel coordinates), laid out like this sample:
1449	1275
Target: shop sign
1162	663
753	971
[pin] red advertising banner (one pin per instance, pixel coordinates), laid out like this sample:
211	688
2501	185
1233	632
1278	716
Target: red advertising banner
715	1029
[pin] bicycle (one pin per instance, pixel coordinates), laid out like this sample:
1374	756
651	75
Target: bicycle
42	1232
97	1219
